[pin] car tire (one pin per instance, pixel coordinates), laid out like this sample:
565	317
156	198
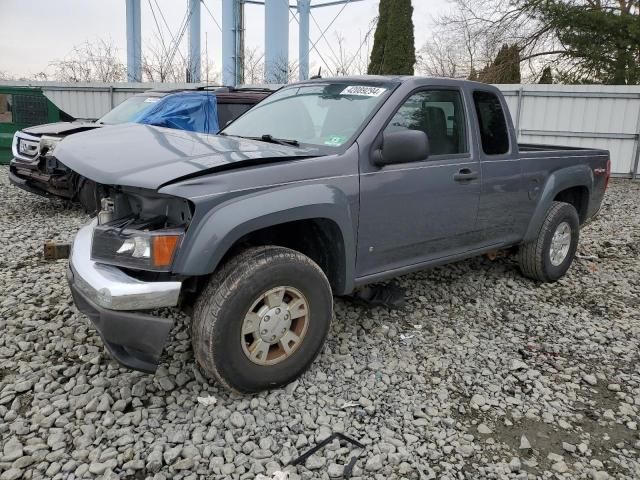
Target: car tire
549	256
250	302
88	194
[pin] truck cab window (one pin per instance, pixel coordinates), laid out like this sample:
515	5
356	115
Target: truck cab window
493	126
438	113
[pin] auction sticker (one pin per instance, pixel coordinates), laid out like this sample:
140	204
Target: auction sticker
363	91
335	140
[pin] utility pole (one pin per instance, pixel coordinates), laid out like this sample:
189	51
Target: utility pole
232	42
304	8
134	41
195	59
276	41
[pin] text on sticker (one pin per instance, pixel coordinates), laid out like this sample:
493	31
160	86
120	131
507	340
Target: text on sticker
363	90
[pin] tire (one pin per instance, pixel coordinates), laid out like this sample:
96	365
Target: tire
542	259
222	309
88	195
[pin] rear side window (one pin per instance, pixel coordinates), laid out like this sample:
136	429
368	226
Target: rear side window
493	126
439	114
227	112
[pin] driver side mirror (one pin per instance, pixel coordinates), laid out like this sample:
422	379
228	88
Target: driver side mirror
404	146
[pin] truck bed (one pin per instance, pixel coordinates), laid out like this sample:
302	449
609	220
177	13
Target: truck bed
536	147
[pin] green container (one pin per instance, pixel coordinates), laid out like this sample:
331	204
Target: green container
22	107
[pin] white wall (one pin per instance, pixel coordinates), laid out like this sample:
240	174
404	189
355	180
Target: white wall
580	115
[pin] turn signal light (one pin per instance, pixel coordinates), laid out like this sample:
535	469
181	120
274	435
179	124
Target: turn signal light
164	246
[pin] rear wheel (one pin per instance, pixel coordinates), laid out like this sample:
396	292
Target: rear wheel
262	319
549	256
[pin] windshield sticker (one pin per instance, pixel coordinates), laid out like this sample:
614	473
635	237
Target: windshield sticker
151	99
363	91
335	140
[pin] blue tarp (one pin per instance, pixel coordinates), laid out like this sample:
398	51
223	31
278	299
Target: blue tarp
192	111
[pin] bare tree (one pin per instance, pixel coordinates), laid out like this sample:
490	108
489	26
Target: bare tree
468	38
90	61
163	64
253	66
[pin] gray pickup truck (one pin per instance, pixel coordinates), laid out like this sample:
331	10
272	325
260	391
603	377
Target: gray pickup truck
324	187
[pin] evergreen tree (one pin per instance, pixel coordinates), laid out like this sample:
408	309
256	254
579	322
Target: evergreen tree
505	68
400	54
393	50
547	76
601	39
379	38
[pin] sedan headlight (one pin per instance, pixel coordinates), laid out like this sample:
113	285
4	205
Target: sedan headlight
138	249
48	145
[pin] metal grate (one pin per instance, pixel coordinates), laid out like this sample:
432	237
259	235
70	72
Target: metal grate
29	109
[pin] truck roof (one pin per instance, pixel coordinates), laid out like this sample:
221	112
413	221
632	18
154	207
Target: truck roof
418	79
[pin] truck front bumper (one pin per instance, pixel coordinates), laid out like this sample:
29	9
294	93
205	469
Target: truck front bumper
110	298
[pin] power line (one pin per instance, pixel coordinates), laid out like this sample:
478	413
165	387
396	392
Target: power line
211	15
164	48
187	14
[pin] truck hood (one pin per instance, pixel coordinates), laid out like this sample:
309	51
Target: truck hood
61	128
148	157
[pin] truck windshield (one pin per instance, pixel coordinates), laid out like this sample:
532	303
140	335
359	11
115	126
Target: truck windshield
319	114
129	109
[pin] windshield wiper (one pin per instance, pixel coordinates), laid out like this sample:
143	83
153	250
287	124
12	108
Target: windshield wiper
267	138
279	141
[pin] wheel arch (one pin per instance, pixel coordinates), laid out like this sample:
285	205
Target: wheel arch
571	185
315	220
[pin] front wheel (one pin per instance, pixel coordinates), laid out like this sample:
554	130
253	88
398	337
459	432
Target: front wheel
549	256
262	319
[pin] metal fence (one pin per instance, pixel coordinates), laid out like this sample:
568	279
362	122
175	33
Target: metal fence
577	115
580	115
91	100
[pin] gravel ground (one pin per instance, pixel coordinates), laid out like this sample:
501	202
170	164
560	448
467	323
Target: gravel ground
484	375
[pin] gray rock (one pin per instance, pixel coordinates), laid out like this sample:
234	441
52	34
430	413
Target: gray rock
315	462
12	450
524	443
97	468
23	386
11	474
373	464
335	470
560	467
484	429
237	420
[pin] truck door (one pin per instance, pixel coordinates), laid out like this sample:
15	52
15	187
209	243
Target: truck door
415	212
503	202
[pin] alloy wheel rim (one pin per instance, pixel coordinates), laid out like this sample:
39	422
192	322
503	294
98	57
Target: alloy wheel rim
275	326
560	244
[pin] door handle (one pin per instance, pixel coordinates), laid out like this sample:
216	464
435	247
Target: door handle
465	175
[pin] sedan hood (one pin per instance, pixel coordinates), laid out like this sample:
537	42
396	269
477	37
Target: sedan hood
61	128
149	157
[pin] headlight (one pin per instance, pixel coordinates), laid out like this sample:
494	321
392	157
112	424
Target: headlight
137	249
48	145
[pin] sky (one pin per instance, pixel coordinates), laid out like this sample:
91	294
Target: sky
38	32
